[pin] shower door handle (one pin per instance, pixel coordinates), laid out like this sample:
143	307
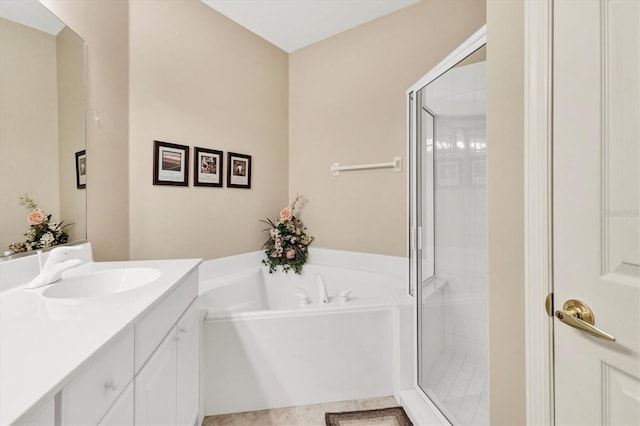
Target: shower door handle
578	315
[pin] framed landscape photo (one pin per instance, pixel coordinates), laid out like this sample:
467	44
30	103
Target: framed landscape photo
238	170
207	167
170	164
81	169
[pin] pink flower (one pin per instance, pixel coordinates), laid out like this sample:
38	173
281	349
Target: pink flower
291	253
285	214
36	218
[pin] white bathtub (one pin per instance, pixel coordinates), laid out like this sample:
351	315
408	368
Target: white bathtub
263	350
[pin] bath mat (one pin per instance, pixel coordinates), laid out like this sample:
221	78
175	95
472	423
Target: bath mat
394	416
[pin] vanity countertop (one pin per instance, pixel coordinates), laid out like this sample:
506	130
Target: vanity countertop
45	341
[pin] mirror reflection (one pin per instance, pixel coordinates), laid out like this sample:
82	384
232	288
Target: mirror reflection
42	128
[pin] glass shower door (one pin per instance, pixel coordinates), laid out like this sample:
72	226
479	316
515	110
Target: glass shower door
451	224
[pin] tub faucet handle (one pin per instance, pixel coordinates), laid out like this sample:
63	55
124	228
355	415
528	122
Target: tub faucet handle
344	296
303	298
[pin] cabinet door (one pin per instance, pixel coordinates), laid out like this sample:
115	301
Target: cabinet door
188	330
155	388
121	414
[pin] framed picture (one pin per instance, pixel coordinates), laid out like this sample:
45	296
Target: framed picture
207	167
479	172
81	169
238	170
448	173
170	164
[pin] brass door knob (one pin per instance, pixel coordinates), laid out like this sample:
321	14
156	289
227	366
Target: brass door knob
577	314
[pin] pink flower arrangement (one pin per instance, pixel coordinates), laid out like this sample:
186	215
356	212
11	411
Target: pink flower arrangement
287	243
36	218
42	232
285	214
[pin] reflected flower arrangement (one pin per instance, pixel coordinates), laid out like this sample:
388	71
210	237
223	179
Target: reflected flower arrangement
42	232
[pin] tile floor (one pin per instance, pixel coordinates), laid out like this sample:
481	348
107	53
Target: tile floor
308	415
458	385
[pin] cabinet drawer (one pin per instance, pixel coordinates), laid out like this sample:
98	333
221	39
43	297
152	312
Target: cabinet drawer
154	326
93	392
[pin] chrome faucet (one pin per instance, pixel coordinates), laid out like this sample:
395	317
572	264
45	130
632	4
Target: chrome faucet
322	289
60	259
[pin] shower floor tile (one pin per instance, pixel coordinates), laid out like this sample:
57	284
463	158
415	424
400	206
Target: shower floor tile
458	385
307	415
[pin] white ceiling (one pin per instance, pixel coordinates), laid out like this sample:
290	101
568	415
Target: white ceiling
32	14
292	24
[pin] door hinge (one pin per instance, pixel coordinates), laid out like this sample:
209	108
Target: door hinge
548	304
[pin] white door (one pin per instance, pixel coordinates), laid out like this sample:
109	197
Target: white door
596	155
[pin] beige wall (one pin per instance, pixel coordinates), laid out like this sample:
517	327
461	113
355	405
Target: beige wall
199	79
505	132
347	104
71	130
104	25
28	127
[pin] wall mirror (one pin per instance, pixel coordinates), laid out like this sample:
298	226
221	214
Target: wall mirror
42	122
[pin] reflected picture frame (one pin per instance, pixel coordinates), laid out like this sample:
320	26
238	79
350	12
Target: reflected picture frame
81	169
479	172
170	164
238	170
448	174
208	167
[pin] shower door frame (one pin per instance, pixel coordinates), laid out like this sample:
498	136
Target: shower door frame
473	43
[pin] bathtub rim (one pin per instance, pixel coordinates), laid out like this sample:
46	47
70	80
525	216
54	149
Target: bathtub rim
337	308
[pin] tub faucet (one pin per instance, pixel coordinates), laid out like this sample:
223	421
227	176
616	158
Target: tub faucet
60	259
322	290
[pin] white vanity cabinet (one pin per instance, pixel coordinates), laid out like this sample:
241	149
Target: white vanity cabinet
167	385
122	411
155	387
150	375
110	359
44	417
188	354
86	400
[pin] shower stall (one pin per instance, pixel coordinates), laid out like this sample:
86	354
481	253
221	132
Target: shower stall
448	227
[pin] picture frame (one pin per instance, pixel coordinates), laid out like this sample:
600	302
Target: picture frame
170	164
448	174
81	169
238	170
208	167
479	172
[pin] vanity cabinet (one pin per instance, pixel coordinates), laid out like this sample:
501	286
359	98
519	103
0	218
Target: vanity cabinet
188	354
167	387
122	411
44	417
149	375
156	386
86	400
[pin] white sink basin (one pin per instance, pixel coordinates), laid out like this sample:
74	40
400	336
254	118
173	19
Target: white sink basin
101	283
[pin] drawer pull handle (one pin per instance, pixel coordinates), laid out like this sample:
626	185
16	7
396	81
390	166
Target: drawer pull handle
112	384
183	329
